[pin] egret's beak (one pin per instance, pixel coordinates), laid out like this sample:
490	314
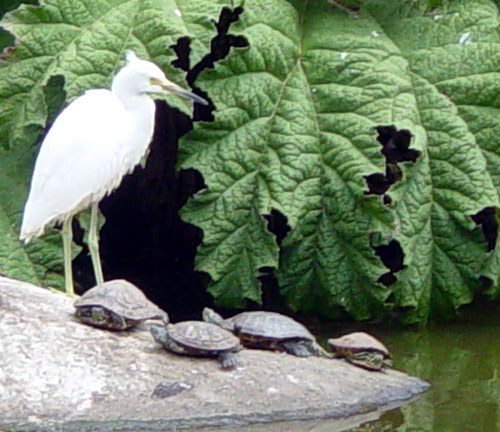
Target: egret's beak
175	89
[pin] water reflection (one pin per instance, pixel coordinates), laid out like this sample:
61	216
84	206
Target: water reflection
461	360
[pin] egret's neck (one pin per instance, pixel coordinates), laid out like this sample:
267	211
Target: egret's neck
141	110
126	88
141	113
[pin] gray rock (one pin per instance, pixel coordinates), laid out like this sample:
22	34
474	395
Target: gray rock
59	374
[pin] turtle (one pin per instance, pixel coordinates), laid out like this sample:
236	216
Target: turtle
116	305
361	349
198	338
269	330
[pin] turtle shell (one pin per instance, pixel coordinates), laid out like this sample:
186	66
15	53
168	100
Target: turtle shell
267	326
202	337
356	342
122	298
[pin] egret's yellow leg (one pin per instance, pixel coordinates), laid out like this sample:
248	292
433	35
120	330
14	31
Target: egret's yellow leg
94	245
67	236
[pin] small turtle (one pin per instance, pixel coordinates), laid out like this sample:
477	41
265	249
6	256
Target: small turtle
269	330
116	305
198	338
361	349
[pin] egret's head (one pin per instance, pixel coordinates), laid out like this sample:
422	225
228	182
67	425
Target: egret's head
141	76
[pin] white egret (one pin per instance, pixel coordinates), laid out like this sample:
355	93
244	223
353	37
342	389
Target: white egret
96	140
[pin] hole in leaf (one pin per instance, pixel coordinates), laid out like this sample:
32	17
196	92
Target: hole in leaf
54	96
395	144
220	46
485	283
387	279
272	296
392	256
395	147
377	184
486	218
182	49
7	39
277	224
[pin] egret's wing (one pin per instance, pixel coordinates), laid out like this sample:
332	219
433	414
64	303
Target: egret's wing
79	160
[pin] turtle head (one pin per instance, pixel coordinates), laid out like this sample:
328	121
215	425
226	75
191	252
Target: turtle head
372	360
210	316
159	332
387	362
163	316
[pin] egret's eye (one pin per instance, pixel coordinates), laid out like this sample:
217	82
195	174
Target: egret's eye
155	81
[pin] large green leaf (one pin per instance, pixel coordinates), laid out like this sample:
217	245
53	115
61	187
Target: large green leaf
83	43
294	131
452	88
41	261
299	128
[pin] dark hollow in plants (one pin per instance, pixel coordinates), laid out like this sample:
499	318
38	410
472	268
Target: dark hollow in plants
392	256
277	224
144	239
395	148
486	219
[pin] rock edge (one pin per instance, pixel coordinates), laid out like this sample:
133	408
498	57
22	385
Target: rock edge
58	374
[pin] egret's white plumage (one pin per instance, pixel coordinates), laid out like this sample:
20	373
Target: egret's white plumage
86	168
93	143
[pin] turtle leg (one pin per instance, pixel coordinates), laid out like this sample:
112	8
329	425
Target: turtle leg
227	359
164	317
296	348
305	349
118	322
159	333
319	351
210	316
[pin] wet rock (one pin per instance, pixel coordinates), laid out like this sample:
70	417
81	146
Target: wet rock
58	374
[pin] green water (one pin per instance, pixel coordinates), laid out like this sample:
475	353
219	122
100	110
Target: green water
461	360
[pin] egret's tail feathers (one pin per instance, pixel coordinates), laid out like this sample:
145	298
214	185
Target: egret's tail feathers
31	228
27	234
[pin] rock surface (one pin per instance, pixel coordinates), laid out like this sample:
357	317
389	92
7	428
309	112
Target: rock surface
58	374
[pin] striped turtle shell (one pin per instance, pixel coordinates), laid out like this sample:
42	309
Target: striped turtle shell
362	350
267	325
121	298
202	337
358	341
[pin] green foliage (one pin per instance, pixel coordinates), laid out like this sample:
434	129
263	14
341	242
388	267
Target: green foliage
82	43
294	132
297	130
41	261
